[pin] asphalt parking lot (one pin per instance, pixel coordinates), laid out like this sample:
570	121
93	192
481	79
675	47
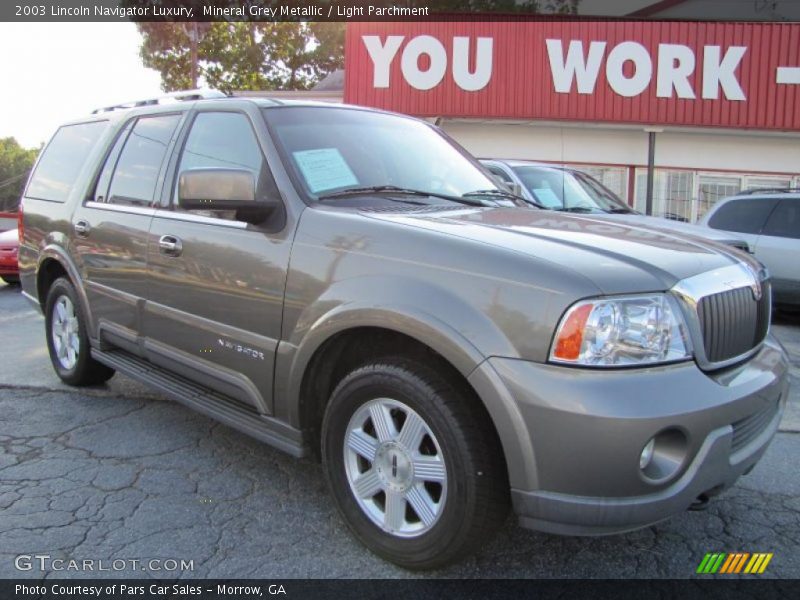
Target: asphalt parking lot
120	473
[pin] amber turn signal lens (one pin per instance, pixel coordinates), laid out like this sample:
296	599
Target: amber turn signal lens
570	335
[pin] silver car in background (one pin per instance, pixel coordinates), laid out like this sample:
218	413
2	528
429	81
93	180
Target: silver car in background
569	190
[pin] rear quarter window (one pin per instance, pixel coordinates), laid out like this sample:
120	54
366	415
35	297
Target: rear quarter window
62	161
743	216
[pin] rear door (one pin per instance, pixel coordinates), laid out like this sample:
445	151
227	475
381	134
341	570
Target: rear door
110	229
216	282
778	247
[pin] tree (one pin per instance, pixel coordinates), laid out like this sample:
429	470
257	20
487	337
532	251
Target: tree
15	164
244	56
267	55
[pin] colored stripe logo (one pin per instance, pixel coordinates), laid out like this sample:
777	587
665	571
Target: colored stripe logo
737	562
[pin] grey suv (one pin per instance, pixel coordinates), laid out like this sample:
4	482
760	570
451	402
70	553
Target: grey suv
339	281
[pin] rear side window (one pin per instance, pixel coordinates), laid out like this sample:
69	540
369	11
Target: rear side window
139	163
785	220
62	161
743	216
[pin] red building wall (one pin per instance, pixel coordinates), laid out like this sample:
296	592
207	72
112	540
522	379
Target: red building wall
521	82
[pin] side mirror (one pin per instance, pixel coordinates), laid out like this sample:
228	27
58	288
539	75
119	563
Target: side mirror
516	189
219	189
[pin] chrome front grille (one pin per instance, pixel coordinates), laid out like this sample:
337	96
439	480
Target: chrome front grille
727	312
733	322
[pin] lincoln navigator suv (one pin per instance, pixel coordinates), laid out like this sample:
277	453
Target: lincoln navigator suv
351	284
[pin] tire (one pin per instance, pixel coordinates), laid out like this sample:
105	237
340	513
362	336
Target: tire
456	474
68	344
10	279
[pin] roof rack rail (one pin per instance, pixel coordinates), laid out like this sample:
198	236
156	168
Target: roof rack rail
752	191
179	96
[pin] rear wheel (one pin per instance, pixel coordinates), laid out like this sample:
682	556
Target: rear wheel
67	341
10	279
413	468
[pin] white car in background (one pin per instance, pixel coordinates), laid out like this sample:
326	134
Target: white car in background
769	220
569	190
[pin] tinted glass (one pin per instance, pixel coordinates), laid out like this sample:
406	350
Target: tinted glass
558	189
223	140
136	173
63	160
332	149
101	188
742	216
785	220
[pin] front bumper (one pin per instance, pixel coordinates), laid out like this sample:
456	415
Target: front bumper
586	430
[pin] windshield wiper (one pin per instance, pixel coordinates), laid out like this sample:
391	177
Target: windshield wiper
504	194
620	211
576	209
393	189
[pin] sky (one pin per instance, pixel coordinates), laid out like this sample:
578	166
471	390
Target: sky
54	72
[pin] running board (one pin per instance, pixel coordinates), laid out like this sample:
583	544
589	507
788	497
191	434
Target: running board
210	403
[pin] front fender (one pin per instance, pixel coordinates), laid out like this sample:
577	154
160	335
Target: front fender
412	308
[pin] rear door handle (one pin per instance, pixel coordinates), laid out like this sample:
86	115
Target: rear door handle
170	245
82	228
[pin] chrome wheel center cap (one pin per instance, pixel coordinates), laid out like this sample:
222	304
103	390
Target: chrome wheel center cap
394	466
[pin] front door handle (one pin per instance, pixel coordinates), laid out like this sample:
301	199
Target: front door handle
82	228
170	245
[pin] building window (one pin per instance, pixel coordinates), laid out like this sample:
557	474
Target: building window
761	183
673	193
614	178
714	188
687	196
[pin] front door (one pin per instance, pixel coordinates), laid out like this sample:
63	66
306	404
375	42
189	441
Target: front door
216	282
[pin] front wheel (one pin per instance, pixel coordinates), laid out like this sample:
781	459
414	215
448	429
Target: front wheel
67	340
413	467
10	279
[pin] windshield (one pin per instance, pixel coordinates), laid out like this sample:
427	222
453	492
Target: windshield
333	149
558	189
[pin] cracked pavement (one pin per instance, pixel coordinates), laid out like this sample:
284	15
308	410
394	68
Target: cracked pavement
119	472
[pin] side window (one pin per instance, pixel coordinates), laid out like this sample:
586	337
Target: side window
139	163
101	188
62	161
785	220
222	139
742	216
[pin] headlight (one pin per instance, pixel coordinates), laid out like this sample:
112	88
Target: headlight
625	330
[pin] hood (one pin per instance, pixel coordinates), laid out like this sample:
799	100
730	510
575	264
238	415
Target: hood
724	237
617	257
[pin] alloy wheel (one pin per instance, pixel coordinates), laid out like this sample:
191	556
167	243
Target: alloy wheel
395	467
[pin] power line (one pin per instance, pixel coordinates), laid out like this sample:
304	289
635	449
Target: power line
12	179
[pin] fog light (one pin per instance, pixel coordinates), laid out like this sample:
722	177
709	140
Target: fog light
663	456
647	454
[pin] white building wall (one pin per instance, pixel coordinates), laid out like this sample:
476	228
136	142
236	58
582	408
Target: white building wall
735	151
